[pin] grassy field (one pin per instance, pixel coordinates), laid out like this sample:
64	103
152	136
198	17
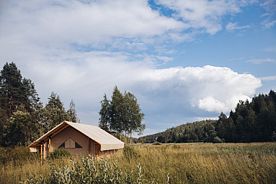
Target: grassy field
166	163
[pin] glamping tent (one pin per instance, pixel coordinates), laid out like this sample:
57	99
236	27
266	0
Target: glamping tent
76	138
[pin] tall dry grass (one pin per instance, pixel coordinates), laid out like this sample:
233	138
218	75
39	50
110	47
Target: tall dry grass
207	163
173	163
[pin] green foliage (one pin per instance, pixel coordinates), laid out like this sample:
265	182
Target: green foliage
117	115
132	116
11	89
54	112
22	116
273	137
122	114
201	131
255	121
32	100
59	153
93	171
105	114
3	124
71	113
19	107
21	129
16	155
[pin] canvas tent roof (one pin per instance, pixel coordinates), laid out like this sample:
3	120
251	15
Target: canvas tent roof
106	140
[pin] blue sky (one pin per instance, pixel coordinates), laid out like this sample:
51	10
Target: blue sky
232	48
185	60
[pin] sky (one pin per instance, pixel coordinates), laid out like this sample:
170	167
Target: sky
184	60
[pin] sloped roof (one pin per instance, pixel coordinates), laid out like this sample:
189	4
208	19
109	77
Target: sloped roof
106	140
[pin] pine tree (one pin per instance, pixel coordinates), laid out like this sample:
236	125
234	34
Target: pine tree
54	112
71	113
33	104
22	116
17	95
117	119
11	94
105	114
31	98
221	125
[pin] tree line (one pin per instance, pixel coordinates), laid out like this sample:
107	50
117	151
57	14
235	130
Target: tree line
200	131
253	121
23	117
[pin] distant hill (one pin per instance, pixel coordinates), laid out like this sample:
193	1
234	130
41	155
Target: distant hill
200	131
253	121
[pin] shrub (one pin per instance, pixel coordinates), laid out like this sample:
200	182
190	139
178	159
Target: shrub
93	171
16	155
59	153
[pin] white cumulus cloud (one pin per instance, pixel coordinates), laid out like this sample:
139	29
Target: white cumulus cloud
166	95
82	49
211	104
209	88
55	23
202	14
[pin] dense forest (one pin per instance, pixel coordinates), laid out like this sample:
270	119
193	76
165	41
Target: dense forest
191	132
23	117
253	121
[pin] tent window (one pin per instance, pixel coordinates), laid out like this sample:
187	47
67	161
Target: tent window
69	144
62	145
77	145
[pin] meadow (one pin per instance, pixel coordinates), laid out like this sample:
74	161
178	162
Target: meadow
147	163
